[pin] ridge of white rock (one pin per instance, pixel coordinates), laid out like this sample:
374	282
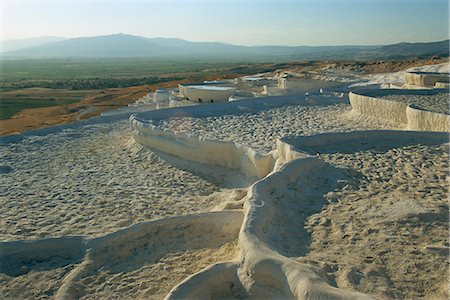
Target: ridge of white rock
226	154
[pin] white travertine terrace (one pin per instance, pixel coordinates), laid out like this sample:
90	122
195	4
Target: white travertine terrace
265	228
398	79
425	78
161	96
310	82
261	270
206	93
137	241
119	246
413	117
226	154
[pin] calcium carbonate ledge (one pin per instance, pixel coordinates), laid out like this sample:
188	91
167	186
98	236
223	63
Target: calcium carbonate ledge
425	78
190	147
421	119
232	155
411	116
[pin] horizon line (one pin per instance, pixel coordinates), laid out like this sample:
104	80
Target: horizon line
221	42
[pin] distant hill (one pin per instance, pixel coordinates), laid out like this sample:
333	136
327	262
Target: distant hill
125	46
416	49
12	45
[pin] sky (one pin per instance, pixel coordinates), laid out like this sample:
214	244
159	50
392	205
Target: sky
245	22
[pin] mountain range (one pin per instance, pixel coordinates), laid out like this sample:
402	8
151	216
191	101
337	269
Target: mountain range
13	45
127	46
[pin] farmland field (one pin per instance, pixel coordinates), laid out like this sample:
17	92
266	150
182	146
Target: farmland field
41	70
8	108
65	88
87	74
14	101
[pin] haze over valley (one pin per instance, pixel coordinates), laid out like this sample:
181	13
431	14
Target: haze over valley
127	46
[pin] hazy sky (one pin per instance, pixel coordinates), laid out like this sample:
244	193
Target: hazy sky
245	22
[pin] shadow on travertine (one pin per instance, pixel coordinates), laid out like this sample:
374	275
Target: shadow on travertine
20	257
217	175
127	250
294	202
356	141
